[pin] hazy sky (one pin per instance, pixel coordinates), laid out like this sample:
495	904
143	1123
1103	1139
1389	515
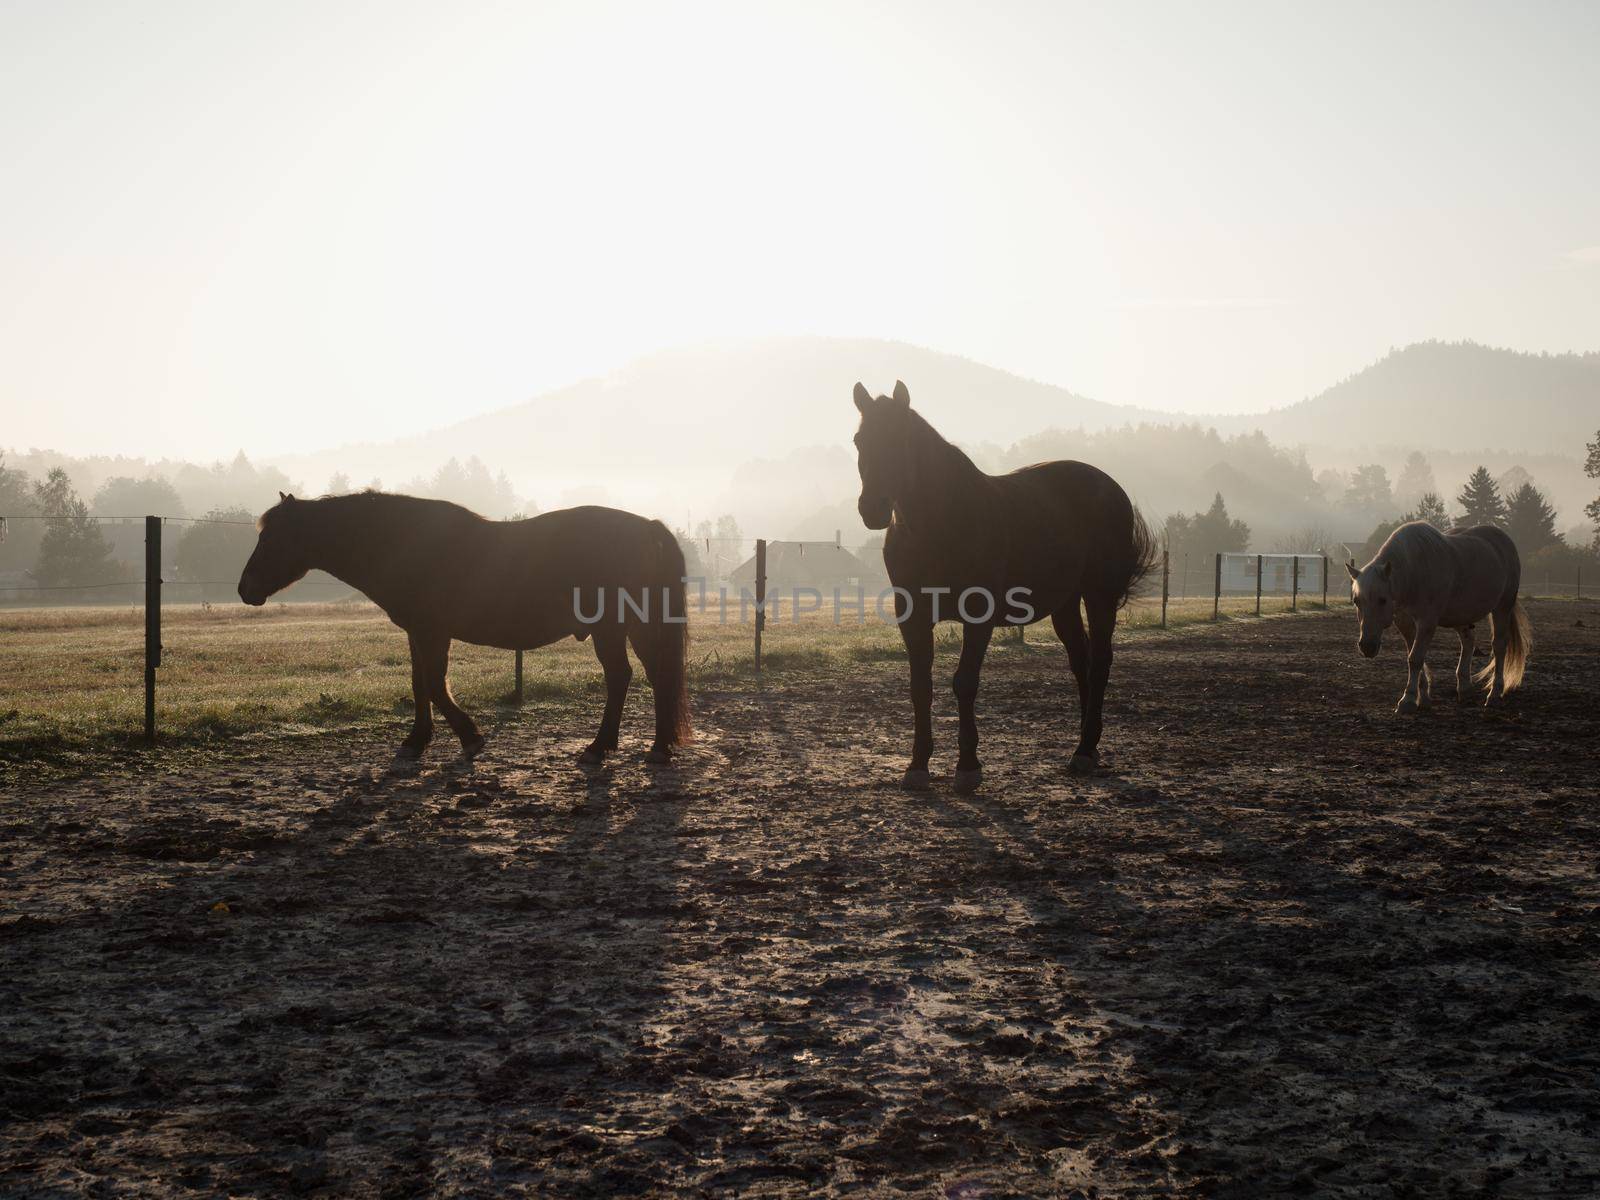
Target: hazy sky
282	226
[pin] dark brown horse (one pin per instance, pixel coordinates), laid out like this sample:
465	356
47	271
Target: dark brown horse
988	550
441	572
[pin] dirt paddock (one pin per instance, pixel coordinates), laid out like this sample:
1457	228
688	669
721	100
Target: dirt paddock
1286	943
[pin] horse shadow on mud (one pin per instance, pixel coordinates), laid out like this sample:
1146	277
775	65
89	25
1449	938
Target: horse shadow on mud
1287	1023
433	979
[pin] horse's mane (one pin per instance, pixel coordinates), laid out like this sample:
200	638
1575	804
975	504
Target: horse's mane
364	506
930	449
1416	551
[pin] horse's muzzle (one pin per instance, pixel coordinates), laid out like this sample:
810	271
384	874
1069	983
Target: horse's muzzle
1369	649
875	514
249	595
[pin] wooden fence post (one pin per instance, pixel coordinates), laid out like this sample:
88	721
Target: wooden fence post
518	689
1579	595
1166	566
1294	587
152	621
1216	594
1324	582
1258	585
761	596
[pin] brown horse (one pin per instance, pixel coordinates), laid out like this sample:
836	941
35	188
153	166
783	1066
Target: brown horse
989	550
441	572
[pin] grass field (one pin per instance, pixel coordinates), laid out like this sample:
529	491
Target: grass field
73	688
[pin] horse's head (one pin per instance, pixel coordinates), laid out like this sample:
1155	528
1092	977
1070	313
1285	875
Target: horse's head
1372	592
280	555
883	453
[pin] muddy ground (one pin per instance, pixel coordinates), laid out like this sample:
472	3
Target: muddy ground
1287	943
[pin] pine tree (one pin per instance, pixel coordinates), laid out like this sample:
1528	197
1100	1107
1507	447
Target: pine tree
1369	490
1416	479
1204	534
1591	468
1431	509
1480	500
74	551
1530	520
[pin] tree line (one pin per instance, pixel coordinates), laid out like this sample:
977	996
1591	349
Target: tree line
65	542
1513	503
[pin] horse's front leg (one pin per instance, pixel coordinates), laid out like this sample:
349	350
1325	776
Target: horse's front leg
916	630
422	725
1416	693
974	644
436	669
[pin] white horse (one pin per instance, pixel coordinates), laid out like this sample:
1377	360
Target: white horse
1422	579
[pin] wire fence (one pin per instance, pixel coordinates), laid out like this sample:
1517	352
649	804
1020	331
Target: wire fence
782	579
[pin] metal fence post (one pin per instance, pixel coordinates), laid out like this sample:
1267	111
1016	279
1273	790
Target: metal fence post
152	621
1216	594
1258	584
1294	587
518	689
1166	576
761	596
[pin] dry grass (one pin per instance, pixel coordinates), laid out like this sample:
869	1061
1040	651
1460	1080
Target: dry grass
74	676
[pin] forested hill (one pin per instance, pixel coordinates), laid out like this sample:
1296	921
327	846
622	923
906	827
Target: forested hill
1456	396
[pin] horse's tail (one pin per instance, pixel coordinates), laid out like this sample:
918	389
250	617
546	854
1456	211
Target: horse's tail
1519	644
668	637
1134	561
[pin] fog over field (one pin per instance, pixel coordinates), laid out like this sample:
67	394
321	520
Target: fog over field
424	234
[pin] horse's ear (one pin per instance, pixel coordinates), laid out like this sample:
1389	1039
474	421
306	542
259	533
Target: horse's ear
1351	567
1387	569
283	497
902	396
863	398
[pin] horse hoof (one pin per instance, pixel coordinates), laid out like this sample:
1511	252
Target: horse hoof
658	756
471	747
915	780
1406	706
1083	764
968	781
408	752
591	757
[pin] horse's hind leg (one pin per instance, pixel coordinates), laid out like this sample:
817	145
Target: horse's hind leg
611	648
1068	622
1500	623
661	749
436	667
974	643
1464	664
1102	614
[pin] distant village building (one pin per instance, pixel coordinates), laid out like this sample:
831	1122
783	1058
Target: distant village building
819	565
